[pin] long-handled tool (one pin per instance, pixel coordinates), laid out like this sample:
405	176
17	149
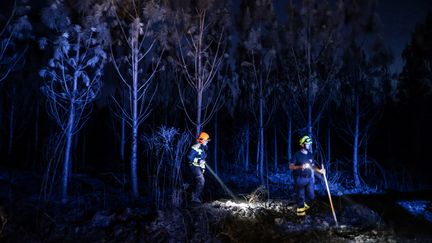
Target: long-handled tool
329	196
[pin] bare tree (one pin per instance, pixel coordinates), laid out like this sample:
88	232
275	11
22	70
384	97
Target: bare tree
313	36
364	81
259	43
201	53
136	25
72	79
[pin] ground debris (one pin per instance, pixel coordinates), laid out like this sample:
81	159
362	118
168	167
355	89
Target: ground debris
98	217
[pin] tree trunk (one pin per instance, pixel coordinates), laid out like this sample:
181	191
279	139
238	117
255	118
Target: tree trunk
11	123
356	144
123	137
275	149
200	73
365	154
36	137
1	125
247	148
67	157
257	156
215	144
84	146
289	139
261	131
199	106
309	81
67	164
134	147
328	143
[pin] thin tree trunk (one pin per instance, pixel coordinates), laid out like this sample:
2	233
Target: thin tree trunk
309	80
67	157
1	125
134	147
199	106
11	129
365	154
200	73
247	148
75	147
36	137
328	142
123	138
356	144
289	139
275	149
215	145
261	131
11	123
257	156
84	146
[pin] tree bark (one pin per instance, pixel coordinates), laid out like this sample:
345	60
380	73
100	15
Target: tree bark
261	131
328	142
11	123
134	147
289	139
67	157
36	134
356	143
215	144
275	149
247	148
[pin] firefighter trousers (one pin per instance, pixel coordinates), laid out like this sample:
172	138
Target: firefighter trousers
198	181
304	187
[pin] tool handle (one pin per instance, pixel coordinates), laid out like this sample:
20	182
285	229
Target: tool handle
329	196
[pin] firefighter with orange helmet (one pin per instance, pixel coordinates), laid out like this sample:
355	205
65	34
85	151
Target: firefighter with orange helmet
197	163
303	170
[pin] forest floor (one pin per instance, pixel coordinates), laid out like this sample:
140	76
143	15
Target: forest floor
100	211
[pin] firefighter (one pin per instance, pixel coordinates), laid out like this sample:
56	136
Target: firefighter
197	163
303	169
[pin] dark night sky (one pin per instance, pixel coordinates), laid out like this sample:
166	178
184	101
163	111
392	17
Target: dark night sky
398	17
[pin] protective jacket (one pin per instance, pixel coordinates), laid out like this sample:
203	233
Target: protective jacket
197	153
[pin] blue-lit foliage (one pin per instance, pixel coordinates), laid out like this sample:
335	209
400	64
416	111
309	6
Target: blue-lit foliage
167	147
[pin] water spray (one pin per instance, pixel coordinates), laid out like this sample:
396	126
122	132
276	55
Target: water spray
221	183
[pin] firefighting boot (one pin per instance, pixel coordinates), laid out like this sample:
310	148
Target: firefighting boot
301	212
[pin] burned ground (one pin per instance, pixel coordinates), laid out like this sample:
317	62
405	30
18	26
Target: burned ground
101	212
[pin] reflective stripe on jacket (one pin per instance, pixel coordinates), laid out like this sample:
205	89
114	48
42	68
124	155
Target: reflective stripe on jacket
196	154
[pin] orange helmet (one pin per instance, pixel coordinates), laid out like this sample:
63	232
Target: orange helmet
203	137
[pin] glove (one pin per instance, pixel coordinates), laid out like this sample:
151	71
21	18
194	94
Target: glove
202	164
